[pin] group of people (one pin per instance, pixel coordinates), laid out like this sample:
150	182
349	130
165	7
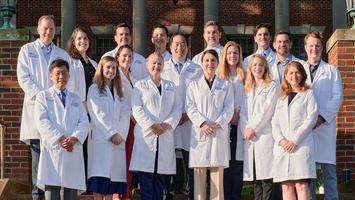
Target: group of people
92	127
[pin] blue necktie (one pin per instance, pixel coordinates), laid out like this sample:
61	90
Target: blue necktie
62	97
178	67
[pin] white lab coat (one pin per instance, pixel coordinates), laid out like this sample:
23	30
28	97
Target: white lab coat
327	88
256	113
166	55
215	105
57	166
294	122
189	72
238	92
33	77
127	87
108	117
275	72
149	107
270	59
138	69
79	77
197	58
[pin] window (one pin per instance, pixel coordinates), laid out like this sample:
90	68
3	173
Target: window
298	47
103	45
246	41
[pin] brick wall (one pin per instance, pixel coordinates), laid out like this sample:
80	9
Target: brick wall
342	54
17	156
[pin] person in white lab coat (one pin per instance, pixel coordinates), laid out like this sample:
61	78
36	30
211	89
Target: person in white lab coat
295	115
123	37
63	125
326	83
212	34
231	69
33	76
110	114
79	49
124	59
209	105
160	39
157	109
181	70
255	123
262	38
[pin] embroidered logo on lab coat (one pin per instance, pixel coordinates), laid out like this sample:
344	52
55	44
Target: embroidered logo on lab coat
75	104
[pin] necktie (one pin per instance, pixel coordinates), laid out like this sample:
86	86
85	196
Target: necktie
313	69
62	96
178	67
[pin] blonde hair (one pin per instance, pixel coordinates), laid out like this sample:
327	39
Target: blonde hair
45	17
223	72
250	80
314	34
286	88
99	77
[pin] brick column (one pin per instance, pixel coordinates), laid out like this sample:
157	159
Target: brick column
17	155
341	52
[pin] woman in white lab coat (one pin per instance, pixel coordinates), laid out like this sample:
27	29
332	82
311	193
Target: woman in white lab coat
255	123
157	109
295	115
231	69
124	58
110	113
209	105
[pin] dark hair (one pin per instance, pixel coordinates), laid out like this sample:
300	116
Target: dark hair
72	50
211	51
162	27
283	33
263	25
178	34
58	63
123	25
120	50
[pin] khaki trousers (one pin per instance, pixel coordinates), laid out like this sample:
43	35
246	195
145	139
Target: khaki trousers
200	174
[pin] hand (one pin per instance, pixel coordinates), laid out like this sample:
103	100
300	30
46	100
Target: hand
184	118
320	121
249	134
207	129
235	118
165	126
65	144
215	126
116	139
290	147
283	143
157	129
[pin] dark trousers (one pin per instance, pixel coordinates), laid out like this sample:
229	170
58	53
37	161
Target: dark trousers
53	193
189	175
151	185
175	183
263	189
35	152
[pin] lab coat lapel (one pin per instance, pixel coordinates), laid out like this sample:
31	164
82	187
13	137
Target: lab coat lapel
59	110
319	71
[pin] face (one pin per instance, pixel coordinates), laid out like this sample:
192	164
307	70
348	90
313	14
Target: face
123	36
313	48
155	65
257	68
293	77
212	35
160	38
178	47
209	63
282	45
81	42
263	38
59	77
109	70
232	55
125	58
46	31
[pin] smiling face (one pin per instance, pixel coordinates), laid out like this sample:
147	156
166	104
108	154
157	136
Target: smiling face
160	38
282	45
155	65
257	68
81	42
209	64
212	35
46	31
232	55
178	48
59	77
123	36
109	70
293	76
262	38
314	49
125	58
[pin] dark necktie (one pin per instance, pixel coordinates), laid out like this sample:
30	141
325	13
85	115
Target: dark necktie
313	69
62	97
